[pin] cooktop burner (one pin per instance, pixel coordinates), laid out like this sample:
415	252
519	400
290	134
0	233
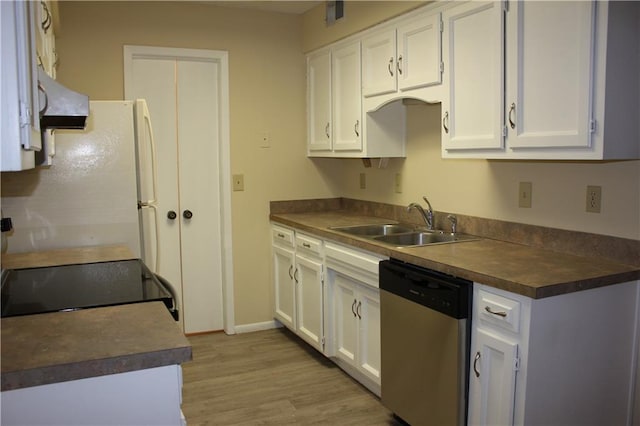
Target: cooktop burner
72	287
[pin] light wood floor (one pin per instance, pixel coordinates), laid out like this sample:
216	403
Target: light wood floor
271	378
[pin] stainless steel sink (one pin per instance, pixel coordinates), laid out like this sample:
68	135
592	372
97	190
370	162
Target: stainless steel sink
423	238
401	235
374	229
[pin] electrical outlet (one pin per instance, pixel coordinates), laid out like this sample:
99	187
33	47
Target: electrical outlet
398	183
594	199
363	181
524	194
238	182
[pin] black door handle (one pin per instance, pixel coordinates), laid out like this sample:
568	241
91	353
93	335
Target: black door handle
187	214
171	215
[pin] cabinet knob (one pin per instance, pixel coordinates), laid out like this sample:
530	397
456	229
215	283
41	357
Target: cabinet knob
171	215
187	214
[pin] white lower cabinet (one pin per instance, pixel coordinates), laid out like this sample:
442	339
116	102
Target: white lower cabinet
356	317
567	359
328	295
298	284
352	312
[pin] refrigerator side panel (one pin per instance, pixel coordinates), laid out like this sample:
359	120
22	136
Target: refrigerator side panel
88	197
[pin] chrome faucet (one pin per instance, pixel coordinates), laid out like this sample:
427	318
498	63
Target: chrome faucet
426	215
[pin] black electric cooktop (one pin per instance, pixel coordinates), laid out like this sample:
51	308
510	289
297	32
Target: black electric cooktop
90	285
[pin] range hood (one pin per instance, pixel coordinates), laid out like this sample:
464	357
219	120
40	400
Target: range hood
62	108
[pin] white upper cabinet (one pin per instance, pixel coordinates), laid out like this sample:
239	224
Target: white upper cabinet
549	61
20	121
319	101
347	98
472	107
402	58
565	67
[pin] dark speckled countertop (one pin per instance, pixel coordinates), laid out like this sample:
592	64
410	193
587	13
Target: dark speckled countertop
62	346
521	269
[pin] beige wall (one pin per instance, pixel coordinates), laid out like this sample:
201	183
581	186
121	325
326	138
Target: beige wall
478	187
267	94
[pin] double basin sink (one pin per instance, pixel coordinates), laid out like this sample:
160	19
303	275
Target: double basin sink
401	235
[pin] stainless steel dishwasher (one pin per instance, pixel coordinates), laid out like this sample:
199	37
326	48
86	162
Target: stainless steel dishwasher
425	319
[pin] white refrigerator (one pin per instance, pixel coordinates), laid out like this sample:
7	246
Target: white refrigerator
99	190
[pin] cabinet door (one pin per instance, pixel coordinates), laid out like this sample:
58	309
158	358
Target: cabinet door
549	73
379	64
346	96
419	53
492	380
284	288
368	312
309	292
345	333
472	107
319	101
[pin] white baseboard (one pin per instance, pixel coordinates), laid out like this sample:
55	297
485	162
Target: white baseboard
257	326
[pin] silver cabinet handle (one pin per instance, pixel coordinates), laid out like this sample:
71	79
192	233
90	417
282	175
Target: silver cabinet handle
295	275
492	312
475	364
445	122
290	268
326	130
512	109
353	307
356	128
358	309
400	65
389	66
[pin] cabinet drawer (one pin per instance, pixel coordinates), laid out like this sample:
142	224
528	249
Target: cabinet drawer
498	310
307	243
282	236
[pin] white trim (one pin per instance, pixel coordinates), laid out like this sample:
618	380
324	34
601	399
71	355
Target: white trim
222	57
257	326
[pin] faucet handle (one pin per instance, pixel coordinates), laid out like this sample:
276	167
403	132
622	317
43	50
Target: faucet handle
454	222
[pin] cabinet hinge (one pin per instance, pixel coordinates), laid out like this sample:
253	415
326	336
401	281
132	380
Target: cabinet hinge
441	25
441	67
592	126
504	131
505	5
25	115
516	364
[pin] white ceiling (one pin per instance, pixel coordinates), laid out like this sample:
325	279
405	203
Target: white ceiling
291	7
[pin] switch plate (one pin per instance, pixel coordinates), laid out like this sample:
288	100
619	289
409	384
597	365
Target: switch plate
594	199
398	183
238	182
363	181
524	194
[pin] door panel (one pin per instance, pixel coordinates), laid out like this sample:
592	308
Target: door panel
309	301
345	332
198	147
368	311
284	290
154	80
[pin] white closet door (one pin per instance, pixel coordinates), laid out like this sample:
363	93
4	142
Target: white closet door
198	147
154	80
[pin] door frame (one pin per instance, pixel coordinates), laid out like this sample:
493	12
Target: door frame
221	57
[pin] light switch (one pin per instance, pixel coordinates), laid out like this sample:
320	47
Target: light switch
238	182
